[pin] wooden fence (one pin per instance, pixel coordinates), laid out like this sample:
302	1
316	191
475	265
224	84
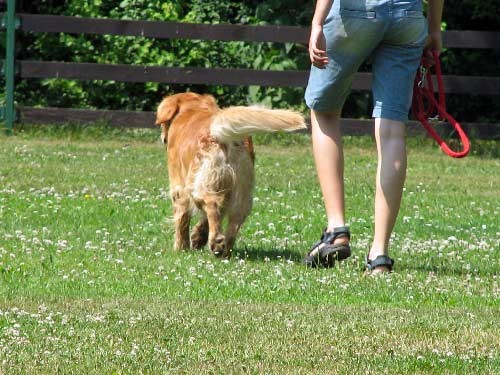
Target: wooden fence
210	76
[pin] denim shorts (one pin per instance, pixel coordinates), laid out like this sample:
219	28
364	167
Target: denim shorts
391	34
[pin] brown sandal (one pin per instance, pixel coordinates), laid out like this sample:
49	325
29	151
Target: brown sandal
326	255
380	261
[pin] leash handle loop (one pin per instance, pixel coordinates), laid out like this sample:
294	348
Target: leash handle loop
424	88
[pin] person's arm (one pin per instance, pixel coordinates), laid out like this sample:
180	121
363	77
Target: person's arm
434	16
317	42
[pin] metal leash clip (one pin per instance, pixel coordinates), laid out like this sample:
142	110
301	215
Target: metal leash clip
423	75
436	120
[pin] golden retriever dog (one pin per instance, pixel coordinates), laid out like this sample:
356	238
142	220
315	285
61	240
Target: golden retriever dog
211	164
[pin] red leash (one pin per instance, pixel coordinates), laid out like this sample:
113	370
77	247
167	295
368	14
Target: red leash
423	88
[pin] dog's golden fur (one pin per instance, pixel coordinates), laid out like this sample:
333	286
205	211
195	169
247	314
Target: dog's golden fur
211	164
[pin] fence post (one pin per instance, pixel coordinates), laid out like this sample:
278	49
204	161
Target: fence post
9	23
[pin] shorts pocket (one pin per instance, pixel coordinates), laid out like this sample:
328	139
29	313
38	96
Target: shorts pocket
357	13
357	8
408	31
413	14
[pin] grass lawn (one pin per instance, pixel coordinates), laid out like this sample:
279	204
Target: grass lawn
89	283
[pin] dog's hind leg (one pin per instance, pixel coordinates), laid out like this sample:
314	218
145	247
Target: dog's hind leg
199	234
232	230
217	240
236	217
241	200
182	217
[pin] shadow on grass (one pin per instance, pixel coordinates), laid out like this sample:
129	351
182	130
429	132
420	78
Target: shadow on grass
266	254
448	269
261	254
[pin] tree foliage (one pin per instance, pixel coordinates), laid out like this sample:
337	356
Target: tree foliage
465	15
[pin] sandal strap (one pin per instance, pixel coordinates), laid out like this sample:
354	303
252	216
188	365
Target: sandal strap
327	238
381	260
341	232
327	255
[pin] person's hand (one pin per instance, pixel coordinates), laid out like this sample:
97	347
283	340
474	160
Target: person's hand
434	43
317	47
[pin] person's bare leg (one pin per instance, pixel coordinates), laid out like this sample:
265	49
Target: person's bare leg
329	160
391	174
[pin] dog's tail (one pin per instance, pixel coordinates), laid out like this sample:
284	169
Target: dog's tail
236	123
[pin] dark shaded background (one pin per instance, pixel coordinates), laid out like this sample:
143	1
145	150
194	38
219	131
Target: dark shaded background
458	15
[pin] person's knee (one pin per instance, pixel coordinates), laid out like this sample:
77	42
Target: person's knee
325	122
390	130
327	116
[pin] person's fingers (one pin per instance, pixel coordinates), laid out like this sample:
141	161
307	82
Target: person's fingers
428	61
319	64
428	56
317	52
319	60
433	43
318	57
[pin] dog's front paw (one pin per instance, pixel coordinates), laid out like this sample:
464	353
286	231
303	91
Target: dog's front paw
199	237
197	242
219	248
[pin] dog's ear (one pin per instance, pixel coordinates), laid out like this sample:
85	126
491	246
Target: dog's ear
167	110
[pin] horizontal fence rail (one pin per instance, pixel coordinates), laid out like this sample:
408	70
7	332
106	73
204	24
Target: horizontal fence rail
163	30
221	32
220	76
144	119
